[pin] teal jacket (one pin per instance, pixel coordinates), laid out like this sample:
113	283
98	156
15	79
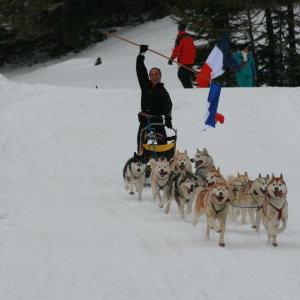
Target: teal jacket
244	69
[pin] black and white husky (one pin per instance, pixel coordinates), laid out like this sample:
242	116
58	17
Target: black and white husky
134	174
183	189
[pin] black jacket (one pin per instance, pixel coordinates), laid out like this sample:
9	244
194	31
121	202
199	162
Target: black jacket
155	101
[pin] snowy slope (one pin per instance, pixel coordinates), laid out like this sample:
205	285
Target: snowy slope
68	228
79	70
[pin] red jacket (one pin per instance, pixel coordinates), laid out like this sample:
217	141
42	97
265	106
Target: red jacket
184	50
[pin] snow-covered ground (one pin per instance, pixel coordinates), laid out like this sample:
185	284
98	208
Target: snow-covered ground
68	228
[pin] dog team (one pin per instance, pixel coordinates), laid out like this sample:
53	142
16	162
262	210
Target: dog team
205	191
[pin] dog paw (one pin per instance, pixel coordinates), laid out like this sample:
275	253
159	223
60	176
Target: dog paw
131	193
254	226
274	244
222	244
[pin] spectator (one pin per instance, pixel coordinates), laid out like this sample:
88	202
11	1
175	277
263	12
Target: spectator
246	71
185	52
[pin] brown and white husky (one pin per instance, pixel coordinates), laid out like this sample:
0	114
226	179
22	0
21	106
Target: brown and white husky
275	208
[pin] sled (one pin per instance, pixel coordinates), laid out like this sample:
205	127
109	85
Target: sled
155	145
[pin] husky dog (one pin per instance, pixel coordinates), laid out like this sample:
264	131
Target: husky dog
203	163
237	183
254	193
213	176
275	208
134	174
183	189
160	173
217	199
180	162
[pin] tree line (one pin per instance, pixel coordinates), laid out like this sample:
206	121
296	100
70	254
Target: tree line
33	30
270	27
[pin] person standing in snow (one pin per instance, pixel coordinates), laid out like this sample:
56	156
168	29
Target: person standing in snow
246	71
185	52
155	100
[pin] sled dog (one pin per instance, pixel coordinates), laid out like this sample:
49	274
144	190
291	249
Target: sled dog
180	162
160	173
213	176
254	193
203	163
183	188
134	174
275	208
217	199
237	183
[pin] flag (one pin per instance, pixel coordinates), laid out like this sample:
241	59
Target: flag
219	58
212	117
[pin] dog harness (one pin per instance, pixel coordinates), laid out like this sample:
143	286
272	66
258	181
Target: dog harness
279	210
199	173
217	211
161	186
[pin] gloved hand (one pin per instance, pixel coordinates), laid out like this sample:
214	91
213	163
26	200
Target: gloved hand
143	48
141	118
170	62
168	122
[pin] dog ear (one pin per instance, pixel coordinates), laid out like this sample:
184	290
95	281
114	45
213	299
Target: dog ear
281	177
259	175
185	151
246	174
268	177
204	150
238	173
198	149
152	163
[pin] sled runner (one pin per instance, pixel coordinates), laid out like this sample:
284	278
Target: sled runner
155	145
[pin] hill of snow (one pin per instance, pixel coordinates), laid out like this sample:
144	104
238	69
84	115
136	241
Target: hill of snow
68	228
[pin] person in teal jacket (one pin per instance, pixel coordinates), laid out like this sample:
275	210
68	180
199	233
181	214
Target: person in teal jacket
245	70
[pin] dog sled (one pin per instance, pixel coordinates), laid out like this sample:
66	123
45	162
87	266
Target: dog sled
155	145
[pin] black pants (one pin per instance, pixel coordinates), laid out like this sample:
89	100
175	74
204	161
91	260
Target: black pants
184	76
160	129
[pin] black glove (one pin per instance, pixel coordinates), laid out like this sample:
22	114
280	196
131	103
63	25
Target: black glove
141	118
168	122
170	62
143	48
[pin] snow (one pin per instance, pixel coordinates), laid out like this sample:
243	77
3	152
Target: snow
68	228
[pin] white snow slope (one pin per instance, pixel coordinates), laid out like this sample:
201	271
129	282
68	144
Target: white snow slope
68	228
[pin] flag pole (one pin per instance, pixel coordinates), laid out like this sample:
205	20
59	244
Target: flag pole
136	44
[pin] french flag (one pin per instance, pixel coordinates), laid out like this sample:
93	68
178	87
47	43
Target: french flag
212	116
219	58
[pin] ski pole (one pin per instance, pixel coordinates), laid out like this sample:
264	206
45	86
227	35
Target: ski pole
168	58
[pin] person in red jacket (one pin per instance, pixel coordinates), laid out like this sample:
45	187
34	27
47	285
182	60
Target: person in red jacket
185	52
